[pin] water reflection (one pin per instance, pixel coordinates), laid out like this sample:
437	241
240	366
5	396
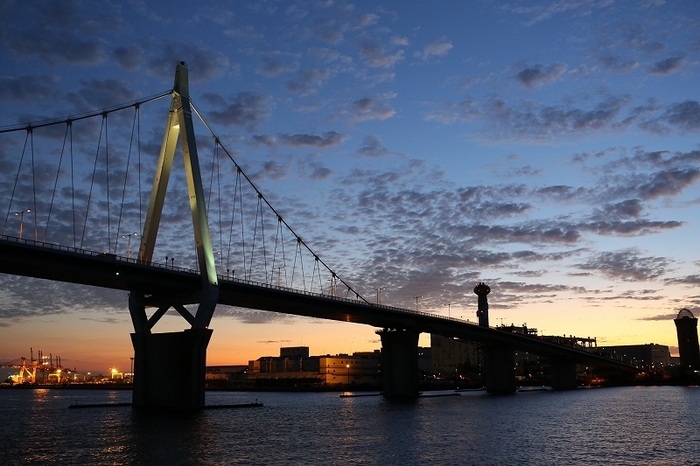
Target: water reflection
607	426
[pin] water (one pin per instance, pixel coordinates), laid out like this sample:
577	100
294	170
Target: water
621	426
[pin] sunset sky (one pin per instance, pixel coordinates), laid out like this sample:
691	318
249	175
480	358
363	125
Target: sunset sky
548	148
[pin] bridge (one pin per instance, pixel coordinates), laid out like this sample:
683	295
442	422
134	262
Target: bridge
78	255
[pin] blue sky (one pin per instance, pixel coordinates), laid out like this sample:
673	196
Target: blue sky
548	148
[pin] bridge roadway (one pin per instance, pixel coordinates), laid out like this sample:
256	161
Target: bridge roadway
161	284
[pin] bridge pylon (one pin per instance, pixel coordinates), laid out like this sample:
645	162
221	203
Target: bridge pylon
158	356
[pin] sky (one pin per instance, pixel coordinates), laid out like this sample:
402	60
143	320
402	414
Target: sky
548	148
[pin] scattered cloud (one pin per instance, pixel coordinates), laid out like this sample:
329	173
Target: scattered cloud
539	74
668	65
329	139
627	265
438	48
247	109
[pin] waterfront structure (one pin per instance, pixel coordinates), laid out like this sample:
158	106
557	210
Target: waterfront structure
452	357
687	331
647	356
359	368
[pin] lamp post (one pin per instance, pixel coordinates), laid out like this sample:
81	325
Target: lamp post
379	294
279	274
21	220
347	366
416	298
449	305
128	244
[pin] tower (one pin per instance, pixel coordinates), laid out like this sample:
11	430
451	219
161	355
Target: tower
687	330
482	290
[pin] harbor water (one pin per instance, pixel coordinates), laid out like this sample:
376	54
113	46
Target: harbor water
615	426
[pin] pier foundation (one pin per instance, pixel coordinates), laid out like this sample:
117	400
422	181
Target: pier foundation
499	369
170	369
563	375
399	363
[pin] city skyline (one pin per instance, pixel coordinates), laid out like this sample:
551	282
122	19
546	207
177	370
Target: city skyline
549	149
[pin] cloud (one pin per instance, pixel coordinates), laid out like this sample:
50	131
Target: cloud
533	121
62	33
618	64
247	109
687	280
539	74
627	265
660	317
438	48
307	80
204	63
269	141
668	65
376	56
27	88
329	139
467	110
100	93
367	108
372	147
129	57
684	115
270	65
630	208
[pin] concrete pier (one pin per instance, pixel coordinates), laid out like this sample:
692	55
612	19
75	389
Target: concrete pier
563	375
399	363
169	369
499	369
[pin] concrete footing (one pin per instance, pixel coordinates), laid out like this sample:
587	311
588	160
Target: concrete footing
499	370
399	364
170	369
563	376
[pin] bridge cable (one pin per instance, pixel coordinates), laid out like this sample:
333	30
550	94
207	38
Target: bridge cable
258	210
55	184
126	178
300	241
83	116
230	235
138	146
92	182
19	168
72	181
109	215
34	213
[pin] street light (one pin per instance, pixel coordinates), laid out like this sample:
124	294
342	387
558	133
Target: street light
128	244
21	220
416	298
449	305
279	274
347	366
379	294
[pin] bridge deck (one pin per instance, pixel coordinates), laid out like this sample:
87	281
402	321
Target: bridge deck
161	284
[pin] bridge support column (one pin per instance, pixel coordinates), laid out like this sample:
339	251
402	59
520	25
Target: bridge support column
563	375
169	369
399	363
499	370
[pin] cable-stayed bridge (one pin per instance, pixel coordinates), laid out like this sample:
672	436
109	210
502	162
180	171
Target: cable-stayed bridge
79	210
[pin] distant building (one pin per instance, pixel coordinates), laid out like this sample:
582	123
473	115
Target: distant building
687	331
295	365
358	368
647	356
451	357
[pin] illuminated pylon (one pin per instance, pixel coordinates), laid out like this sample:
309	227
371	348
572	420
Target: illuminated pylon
179	126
